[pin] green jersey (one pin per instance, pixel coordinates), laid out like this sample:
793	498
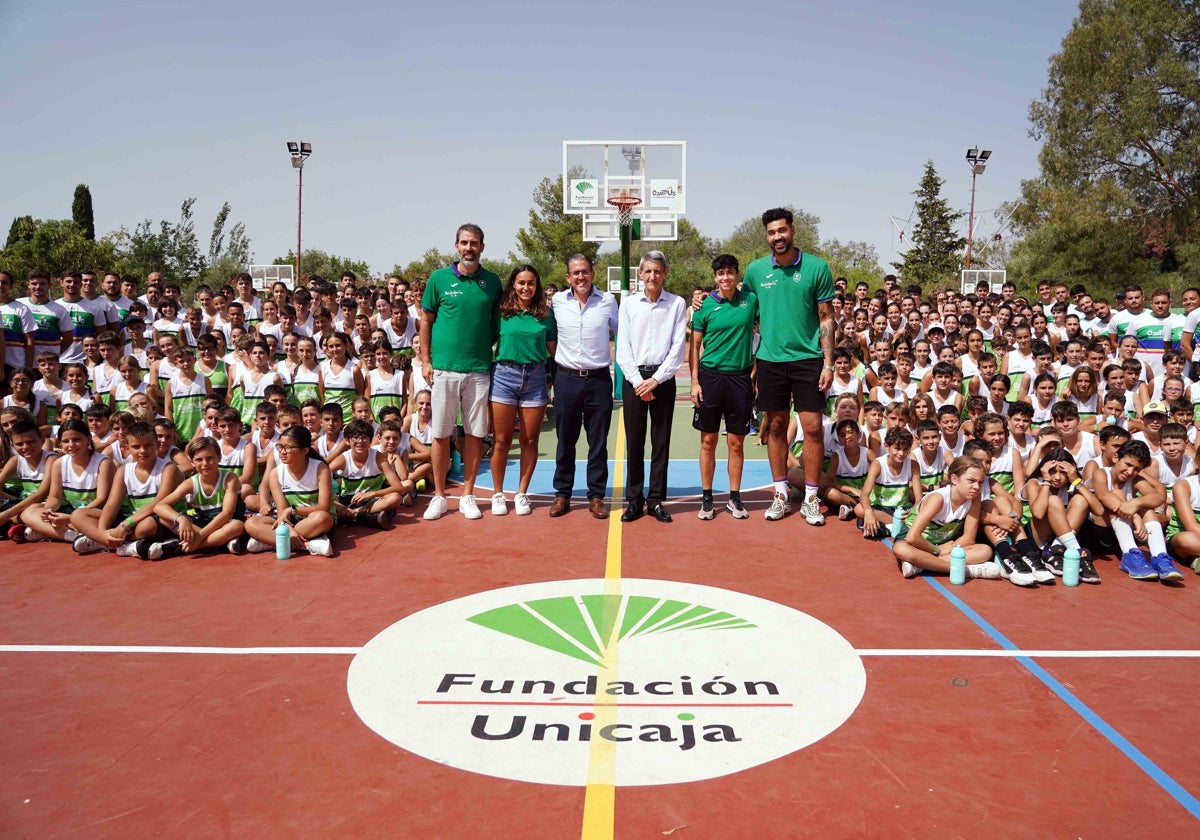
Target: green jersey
466	321
728	328
788	298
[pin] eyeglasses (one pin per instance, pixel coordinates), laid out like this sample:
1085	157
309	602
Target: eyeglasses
283	450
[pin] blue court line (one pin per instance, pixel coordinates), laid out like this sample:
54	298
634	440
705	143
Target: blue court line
1156	773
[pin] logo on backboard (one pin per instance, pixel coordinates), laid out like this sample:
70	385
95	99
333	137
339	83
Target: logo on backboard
584	193
680	682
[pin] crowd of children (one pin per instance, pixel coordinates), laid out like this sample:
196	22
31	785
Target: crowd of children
185	429
1016	429
974	420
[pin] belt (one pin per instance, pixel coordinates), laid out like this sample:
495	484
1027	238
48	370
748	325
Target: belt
592	372
520	365
648	370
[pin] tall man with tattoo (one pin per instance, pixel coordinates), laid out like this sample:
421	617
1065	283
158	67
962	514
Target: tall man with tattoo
795	355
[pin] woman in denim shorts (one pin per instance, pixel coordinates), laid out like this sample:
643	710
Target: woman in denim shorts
527	338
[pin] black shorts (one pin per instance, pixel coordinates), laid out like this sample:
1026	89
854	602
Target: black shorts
782	384
727	396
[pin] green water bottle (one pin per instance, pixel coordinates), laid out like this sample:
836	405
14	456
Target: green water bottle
283	542
1071	567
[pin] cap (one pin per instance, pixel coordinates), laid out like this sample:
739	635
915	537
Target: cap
1156	407
1120	296
933	327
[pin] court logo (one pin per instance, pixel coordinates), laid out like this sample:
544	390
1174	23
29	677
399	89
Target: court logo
667	682
584	193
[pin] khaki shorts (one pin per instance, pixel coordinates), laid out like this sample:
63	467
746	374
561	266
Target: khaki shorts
453	392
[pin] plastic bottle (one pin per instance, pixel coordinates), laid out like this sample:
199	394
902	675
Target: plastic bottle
958	565
1071	567
283	542
897	522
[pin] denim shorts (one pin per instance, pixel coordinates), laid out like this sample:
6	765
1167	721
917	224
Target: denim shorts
519	385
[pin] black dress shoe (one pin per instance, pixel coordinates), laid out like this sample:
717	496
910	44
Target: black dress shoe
633	510
659	512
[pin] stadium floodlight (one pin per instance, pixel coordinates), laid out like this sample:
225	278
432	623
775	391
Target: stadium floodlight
976	159
299	153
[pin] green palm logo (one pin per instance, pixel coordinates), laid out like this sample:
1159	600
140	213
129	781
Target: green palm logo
585	186
583	626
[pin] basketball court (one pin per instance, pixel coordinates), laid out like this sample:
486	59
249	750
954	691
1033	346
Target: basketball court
523	677
528	677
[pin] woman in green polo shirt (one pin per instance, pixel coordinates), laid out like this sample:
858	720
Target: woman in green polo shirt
527	339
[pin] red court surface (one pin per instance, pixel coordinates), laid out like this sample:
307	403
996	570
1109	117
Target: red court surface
216	743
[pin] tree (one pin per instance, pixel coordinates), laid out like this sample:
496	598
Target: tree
1121	104
22	229
56	245
173	249
81	211
933	255
327	266
430	261
226	257
856	261
552	235
1118	196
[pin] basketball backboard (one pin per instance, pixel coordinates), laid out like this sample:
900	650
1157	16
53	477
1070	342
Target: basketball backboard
653	171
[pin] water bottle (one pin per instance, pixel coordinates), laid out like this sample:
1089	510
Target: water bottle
897	522
1071	567
283	542
958	565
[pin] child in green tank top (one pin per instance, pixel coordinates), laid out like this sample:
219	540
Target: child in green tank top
213	516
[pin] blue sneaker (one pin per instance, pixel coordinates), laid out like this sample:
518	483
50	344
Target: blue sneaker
1165	566
1134	564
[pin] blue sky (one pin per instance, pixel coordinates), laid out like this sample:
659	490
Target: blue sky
422	116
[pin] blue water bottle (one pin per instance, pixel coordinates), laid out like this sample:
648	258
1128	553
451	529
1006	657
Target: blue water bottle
283	542
958	565
1071	567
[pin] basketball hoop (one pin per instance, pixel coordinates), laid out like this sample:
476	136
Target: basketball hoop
625	205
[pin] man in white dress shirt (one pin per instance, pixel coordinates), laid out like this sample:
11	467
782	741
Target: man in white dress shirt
650	348
583	401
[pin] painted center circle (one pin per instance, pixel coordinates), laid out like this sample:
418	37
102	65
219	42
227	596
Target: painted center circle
641	682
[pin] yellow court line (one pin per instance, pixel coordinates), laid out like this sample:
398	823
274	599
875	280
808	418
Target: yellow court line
600	796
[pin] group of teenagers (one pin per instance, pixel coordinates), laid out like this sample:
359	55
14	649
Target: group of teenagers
153	429
1016	429
1014	433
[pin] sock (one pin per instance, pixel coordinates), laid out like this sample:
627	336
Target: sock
1005	548
1026	547
706	495
1154	538
1124	535
781	485
1068	540
810	491
735	496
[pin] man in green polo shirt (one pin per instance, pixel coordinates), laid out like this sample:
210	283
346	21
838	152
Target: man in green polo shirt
795	354
458	328
721	360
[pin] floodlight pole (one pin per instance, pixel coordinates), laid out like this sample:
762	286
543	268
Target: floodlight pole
976	159
299	153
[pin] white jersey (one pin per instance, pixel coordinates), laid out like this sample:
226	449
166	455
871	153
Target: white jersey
1168	476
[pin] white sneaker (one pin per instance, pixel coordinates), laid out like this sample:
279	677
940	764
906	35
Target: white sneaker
522	505
706	509
780	507
468	508
499	505
987	571
436	509
127	549
908	569
87	545
258	547
319	546
811	511
736	509
845	513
